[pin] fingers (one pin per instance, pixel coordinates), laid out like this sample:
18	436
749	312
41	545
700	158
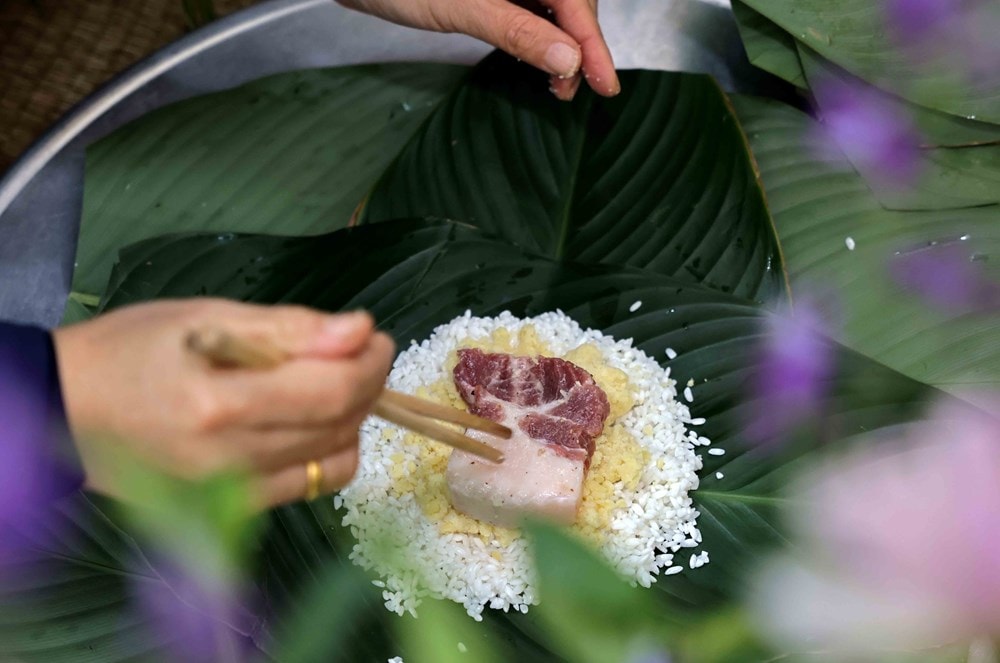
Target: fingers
303	332
274	448
565	88
265	451
289	484
575	41
573	44
300	393
519	32
579	19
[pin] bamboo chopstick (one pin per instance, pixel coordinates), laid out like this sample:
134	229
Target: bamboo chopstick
443	413
390	411
416	414
225	349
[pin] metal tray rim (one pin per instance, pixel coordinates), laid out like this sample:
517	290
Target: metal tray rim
92	107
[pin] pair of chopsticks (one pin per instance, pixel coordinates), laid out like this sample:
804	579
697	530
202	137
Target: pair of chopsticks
415	414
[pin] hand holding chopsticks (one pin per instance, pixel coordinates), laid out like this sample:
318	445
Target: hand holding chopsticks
410	412
134	391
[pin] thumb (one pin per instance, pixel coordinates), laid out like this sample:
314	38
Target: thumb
304	332
520	33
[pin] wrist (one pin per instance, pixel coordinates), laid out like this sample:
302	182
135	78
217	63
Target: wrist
81	395
70	360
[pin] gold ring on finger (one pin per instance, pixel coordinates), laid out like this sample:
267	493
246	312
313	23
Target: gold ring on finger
314	479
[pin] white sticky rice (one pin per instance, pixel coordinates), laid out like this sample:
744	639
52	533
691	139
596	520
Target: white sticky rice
659	521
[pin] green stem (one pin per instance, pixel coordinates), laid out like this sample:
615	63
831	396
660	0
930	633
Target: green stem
88	300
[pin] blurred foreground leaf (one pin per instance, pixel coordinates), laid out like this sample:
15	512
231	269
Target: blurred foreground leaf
330	610
443	633
209	525
75	599
591	613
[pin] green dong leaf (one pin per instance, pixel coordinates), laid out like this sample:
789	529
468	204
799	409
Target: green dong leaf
768	46
855	35
659	177
291	154
818	202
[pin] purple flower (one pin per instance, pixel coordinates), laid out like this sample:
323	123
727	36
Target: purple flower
903	540
793	366
949	277
858	121
913	21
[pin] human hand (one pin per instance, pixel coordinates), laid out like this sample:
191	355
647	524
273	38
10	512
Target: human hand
128	381
563	49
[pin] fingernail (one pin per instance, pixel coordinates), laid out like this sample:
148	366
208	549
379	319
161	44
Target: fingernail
562	60
573	88
564	89
343	325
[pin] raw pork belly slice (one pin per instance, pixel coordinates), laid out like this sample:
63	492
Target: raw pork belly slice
555	410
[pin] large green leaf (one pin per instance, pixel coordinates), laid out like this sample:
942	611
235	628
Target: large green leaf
818	202
959	165
414	276
854	35
289	154
767	45
658	177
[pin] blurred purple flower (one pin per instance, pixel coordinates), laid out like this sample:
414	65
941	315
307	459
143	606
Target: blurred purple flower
793	367
859	122
905	541
29	478
959	36
948	276
913	21
926	517
197	617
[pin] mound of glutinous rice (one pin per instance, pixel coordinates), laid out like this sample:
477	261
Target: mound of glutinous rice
419	552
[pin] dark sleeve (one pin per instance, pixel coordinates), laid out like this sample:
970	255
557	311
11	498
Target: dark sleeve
34	436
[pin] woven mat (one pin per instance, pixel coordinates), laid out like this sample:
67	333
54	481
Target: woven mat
53	53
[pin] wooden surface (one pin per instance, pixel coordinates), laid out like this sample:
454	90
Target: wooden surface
53	53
